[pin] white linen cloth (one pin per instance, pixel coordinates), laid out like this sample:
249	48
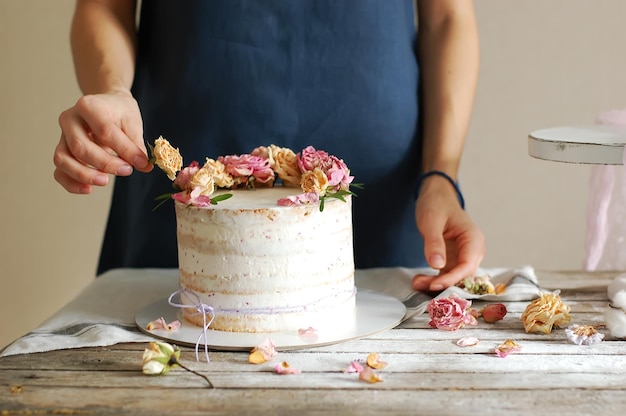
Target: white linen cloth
104	312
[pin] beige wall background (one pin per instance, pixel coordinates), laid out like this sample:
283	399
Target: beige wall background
544	63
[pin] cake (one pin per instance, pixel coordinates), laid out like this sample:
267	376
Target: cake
264	239
265	268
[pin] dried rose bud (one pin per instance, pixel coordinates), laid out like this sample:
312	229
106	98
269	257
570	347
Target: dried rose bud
494	312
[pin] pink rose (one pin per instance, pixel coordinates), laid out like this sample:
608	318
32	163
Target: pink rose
194	197
300	199
244	167
184	176
309	159
450	313
338	175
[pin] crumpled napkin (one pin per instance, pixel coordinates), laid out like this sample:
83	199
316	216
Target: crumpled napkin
521	284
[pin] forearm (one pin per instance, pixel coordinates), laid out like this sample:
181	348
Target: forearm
103	38
449	62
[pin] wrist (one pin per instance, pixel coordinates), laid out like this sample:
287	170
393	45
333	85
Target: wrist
427	178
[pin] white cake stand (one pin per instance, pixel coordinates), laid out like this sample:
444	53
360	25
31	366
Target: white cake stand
375	312
588	144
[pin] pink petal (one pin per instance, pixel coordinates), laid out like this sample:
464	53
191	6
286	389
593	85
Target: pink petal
354	367
467	341
284	368
310	333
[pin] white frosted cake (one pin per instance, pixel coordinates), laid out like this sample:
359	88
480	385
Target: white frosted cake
265	268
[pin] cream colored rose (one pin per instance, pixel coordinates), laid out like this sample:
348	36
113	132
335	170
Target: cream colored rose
167	158
314	181
203	179
221	178
545	312
284	162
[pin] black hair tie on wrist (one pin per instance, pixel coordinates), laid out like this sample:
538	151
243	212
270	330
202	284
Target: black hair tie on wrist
425	175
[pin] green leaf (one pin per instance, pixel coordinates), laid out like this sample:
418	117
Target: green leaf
219	198
321	204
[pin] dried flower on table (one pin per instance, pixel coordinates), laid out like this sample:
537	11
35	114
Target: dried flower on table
354	367
493	312
478	285
373	361
546	311
450	313
369	376
507	347
263	352
467	341
160	357
284	368
583	334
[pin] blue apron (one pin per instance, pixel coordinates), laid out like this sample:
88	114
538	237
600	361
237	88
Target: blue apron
225	76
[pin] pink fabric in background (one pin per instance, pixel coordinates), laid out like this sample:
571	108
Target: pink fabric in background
605	242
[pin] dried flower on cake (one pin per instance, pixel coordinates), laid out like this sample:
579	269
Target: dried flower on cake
160	357
263	352
285	163
467	341
166	157
583	334
221	178
317	173
368	375
314	181
285	368
546	311
300	199
373	361
162	324
507	347
450	313
493	312
248	171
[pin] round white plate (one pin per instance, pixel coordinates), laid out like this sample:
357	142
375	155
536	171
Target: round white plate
375	312
590	144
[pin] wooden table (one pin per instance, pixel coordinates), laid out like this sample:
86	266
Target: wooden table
427	373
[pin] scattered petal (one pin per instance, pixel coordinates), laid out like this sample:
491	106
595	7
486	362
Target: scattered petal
284	368
308	333
507	347
583	334
467	341
369	376
493	312
263	352
162	324
354	367
373	361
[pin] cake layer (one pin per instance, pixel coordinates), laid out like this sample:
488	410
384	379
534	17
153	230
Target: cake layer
263	267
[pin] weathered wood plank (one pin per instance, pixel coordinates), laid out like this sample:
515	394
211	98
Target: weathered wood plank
367	401
331	380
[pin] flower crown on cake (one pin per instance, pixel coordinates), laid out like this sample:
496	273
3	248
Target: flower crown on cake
318	174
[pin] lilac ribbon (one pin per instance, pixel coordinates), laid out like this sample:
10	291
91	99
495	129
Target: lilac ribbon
201	308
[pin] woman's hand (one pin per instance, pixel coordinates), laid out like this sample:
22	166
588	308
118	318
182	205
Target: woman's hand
101	135
453	244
